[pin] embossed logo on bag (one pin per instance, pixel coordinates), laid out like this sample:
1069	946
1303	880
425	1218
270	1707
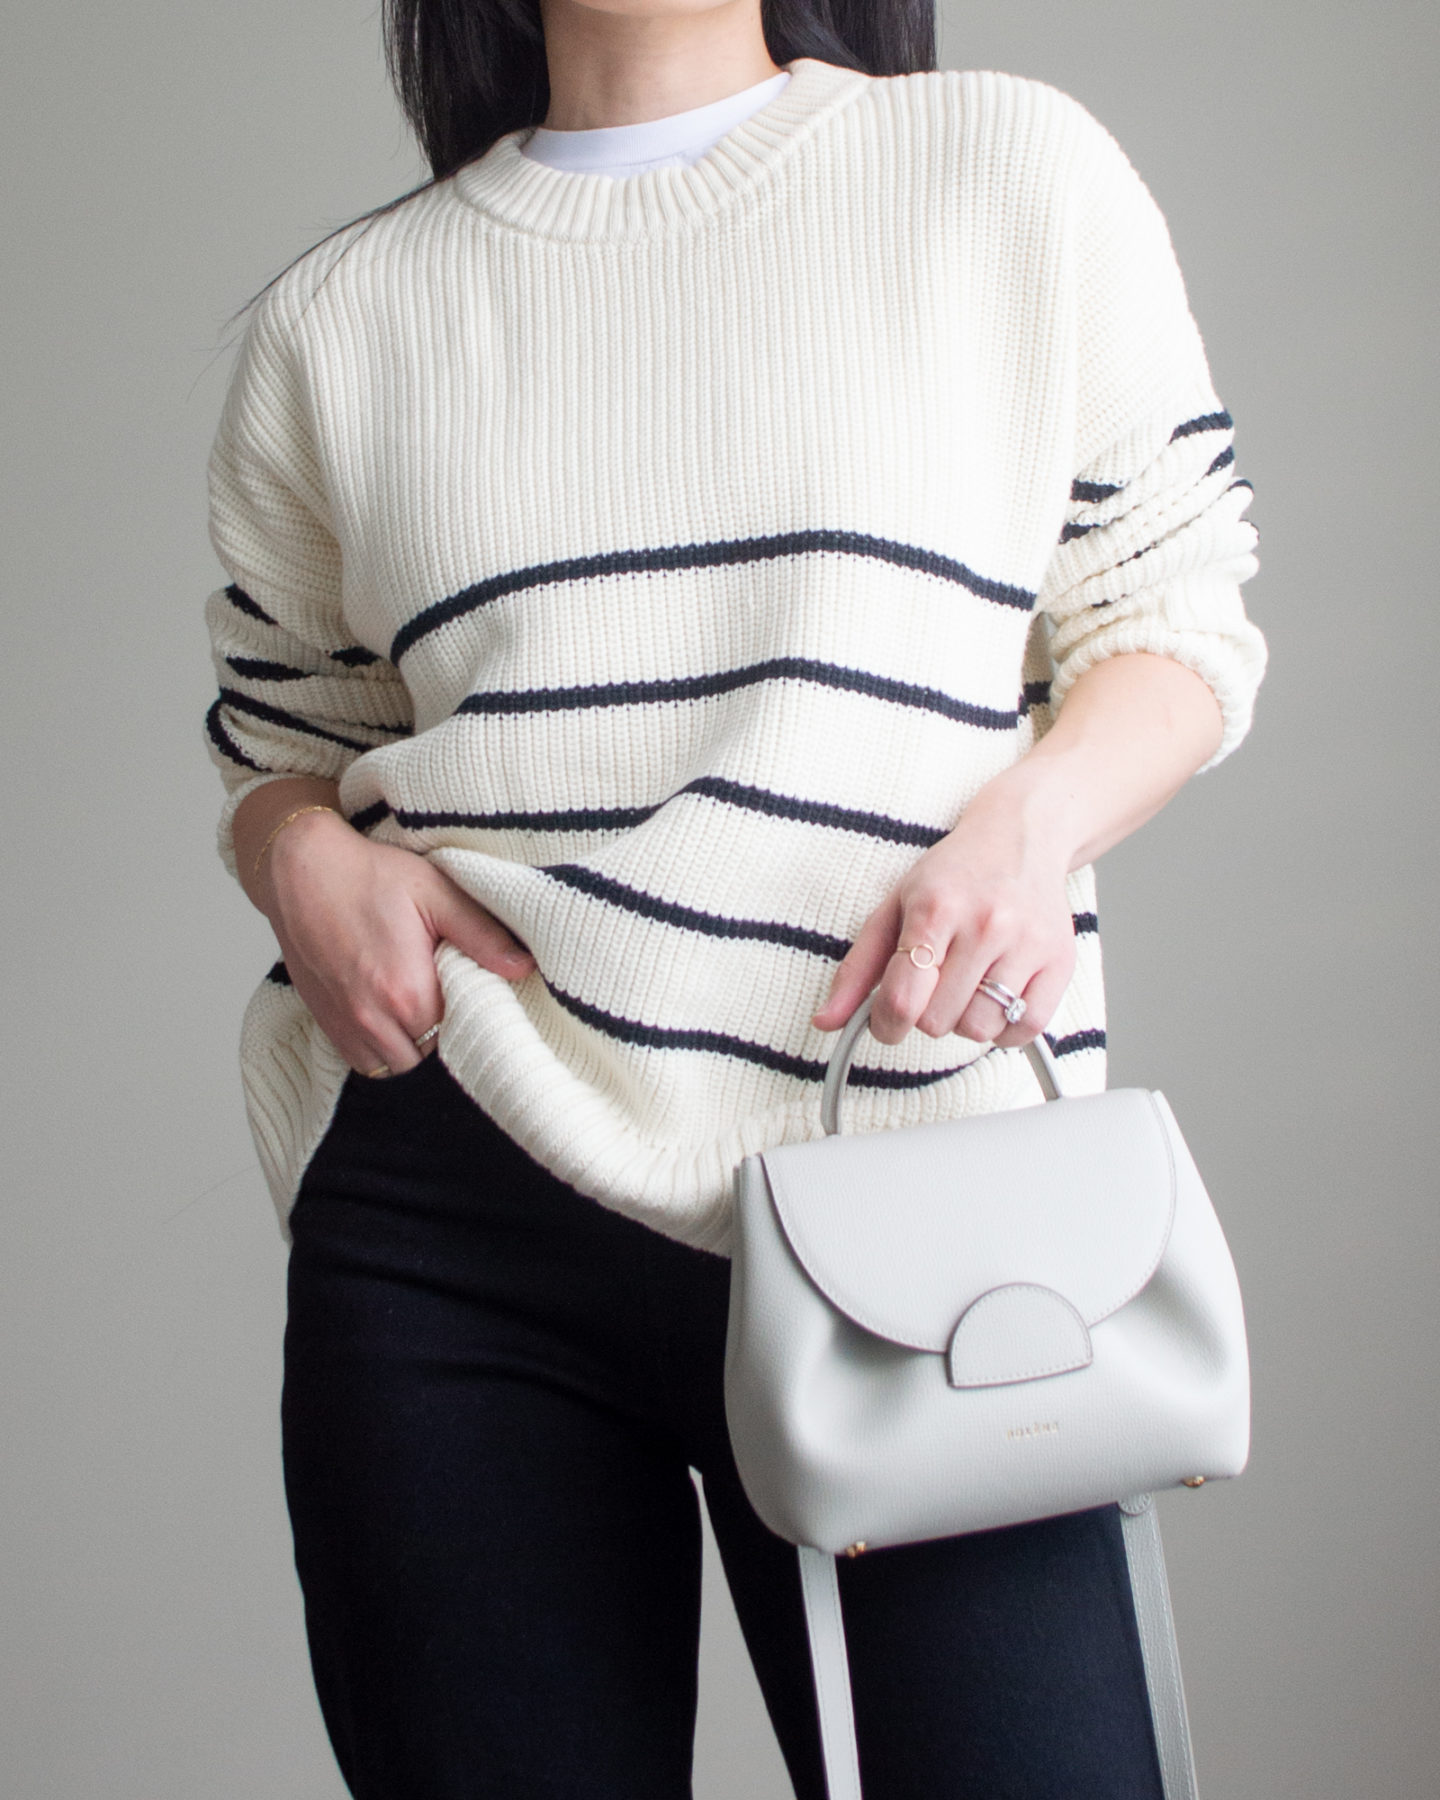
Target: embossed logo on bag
1039	1428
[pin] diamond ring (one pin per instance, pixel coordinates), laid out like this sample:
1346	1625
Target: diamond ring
1010	1003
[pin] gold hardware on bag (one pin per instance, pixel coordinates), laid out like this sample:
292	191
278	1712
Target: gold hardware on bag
1194	1481
857	1548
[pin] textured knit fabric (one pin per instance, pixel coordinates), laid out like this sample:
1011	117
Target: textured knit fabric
672	559
683	137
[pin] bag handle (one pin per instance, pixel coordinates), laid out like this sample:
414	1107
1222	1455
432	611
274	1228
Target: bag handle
1041	1058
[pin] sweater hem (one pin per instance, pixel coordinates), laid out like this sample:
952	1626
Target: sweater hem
293	1078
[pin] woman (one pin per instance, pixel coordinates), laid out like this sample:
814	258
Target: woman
759	536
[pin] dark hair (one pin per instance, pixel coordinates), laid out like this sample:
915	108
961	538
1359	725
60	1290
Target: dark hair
466	72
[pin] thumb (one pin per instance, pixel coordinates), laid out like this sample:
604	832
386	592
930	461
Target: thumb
477	933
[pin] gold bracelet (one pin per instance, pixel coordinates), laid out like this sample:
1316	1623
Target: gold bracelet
289	819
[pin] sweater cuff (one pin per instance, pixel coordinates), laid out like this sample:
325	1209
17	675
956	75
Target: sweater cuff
1196	620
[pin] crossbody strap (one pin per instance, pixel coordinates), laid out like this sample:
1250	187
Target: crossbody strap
1149	1585
1146	1560
821	1588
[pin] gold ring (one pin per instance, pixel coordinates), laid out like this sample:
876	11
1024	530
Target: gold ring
928	951
378	1072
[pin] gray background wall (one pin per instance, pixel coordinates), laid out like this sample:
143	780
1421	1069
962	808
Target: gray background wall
1271	938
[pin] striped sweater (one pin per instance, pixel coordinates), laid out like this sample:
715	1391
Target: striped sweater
672	559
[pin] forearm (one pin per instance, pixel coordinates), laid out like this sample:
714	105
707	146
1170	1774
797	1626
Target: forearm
1131	733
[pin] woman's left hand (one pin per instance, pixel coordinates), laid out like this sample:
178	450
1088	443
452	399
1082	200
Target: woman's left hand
990	900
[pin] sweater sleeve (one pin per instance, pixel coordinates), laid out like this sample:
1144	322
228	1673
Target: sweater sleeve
299	695
1155	544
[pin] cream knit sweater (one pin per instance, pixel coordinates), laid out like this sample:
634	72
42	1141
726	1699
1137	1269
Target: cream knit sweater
672	559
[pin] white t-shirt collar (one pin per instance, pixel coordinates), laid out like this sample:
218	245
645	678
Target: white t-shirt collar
681	137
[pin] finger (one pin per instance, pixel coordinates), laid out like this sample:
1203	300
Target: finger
364	1058
336	1018
907	985
1042	996
964	967
903	994
399	1057
861	967
983	1018
476	932
368	1063
388	1046
379	1071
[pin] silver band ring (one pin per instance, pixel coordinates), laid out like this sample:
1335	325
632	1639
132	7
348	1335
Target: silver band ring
425	1036
1010	1003
929	951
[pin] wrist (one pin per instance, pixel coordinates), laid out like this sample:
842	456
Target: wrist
288	849
1037	801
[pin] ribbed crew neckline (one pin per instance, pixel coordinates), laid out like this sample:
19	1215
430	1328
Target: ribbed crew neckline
515	190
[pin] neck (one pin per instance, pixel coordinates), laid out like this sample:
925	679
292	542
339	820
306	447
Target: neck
622	68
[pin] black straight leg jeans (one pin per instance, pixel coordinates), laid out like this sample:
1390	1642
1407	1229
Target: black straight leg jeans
495	1391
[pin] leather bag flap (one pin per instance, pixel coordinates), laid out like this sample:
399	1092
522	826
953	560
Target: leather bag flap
904	1230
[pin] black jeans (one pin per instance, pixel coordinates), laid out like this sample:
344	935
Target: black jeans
495	1391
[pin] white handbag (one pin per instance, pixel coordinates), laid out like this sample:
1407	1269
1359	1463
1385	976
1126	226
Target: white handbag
970	1324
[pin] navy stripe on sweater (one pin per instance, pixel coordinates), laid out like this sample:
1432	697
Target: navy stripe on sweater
225	744
617	894
573	818
242	602
1036	693
689	918
1077	1040
722	553
1220	421
618	818
1092	491
815	812
728	681
256	668
369	817
723	1043
276	715
660	1037
354	656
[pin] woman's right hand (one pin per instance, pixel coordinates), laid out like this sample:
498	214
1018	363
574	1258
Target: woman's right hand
358	924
